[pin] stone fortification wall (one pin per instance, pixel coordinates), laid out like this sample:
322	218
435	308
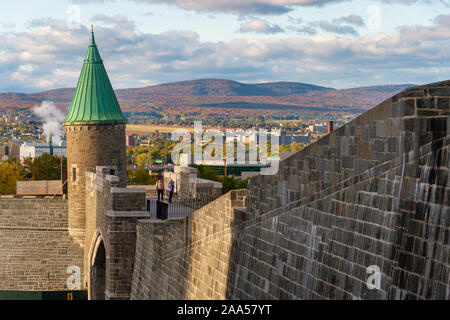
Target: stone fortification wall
374	193
188	258
35	246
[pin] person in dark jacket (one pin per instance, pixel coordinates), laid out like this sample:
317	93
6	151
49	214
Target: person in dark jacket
160	189
171	188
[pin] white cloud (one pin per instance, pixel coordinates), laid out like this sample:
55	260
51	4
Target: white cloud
119	21
48	57
234	6
260	26
335	28
245	7
22	72
351	19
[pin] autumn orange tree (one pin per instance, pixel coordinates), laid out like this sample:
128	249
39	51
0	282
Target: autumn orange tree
11	171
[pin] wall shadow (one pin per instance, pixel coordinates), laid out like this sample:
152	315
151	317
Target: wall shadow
98	274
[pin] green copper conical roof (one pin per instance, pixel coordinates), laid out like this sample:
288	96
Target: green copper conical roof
94	100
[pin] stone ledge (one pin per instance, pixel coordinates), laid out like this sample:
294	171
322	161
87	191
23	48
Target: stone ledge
32	228
91	126
112	178
127	190
120	296
127	214
149	220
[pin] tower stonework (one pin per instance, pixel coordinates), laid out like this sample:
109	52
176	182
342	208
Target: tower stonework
90	146
95	131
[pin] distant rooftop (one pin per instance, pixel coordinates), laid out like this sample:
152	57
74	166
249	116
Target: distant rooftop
45	145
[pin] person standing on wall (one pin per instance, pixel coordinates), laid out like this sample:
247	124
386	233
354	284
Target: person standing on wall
160	189
171	188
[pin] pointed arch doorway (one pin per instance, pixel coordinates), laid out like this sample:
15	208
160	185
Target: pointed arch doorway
98	271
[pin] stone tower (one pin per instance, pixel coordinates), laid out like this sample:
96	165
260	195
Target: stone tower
95	131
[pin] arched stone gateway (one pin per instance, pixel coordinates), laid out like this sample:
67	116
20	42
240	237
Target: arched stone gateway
111	213
98	272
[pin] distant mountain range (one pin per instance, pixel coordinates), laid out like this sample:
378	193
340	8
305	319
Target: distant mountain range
225	94
222	87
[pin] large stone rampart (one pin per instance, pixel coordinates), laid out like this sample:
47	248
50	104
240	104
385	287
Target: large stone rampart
375	192
372	194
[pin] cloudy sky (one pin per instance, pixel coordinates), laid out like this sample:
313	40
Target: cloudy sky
336	43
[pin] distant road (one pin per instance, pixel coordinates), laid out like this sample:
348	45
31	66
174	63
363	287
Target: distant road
143	128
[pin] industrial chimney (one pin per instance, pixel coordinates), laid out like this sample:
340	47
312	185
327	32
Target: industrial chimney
330	126
50	145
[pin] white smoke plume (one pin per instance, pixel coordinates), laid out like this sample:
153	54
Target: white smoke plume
53	118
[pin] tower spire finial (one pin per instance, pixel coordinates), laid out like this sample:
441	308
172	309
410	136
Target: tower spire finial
92	35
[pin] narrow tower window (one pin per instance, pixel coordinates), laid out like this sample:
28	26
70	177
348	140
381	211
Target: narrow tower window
74	174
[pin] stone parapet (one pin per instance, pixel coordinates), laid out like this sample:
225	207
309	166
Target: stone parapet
187	258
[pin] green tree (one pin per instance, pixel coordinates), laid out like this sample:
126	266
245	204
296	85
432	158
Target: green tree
205	172
46	167
230	183
140	176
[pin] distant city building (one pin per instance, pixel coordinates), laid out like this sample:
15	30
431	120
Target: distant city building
236	169
4	150
14	149
130	141
11	150
34	150
250	138
318	128
287	140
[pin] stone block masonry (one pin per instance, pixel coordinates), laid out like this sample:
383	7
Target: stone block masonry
35	246
88	146
188	258
188	186
43	187
111	216
374	192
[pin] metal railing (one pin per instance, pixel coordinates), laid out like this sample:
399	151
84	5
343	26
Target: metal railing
178	208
